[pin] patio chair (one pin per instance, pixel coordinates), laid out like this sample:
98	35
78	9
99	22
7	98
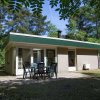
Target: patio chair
48	71
53	69
26	69
41	70
33	70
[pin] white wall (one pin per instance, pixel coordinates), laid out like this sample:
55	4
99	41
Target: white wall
86	56
62	60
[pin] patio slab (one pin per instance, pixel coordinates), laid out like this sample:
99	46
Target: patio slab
61	75
72	75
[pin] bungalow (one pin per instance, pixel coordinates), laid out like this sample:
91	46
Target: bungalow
70	55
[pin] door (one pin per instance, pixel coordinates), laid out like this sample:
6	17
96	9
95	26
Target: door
50	56
23	56
71	60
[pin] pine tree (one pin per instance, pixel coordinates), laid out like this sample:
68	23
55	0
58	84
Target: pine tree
84	24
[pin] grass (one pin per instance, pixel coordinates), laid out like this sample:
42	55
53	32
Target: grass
93	73
60	89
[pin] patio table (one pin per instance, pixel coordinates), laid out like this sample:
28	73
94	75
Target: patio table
40	72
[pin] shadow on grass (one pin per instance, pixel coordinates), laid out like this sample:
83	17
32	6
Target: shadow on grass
54	89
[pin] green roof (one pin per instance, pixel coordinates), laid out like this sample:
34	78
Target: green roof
25	38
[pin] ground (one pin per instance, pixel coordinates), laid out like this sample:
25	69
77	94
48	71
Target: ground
75	86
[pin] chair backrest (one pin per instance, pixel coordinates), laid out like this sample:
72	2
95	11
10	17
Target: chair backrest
54	66
41	67
26	67
27	64
41	64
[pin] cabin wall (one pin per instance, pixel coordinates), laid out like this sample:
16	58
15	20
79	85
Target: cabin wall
87	56
62	60
10	61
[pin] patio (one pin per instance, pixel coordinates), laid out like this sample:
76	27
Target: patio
62	75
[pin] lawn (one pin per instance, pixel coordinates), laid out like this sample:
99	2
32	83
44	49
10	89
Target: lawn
93	73
60	89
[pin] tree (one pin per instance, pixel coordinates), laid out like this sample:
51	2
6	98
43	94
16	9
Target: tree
64	7
38	24
23	21
52	30
2	51
85	24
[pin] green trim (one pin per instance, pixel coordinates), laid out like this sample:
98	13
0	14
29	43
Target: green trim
49	41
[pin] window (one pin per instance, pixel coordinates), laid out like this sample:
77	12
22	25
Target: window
71	58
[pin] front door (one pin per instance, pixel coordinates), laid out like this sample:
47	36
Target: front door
50	56
71	60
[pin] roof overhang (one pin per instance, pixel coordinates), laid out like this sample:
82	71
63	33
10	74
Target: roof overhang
33	39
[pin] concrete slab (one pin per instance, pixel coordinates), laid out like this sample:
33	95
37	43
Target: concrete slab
61	75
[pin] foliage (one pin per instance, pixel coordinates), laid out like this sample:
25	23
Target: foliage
71	27
52	30
84	25
38	24
16	5
94	40
2	57
2	53
64	7
23	21
81	35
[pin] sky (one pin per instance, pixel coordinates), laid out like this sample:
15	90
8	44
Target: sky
53	16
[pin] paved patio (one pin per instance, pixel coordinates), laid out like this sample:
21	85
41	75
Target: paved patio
62	75
72	75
